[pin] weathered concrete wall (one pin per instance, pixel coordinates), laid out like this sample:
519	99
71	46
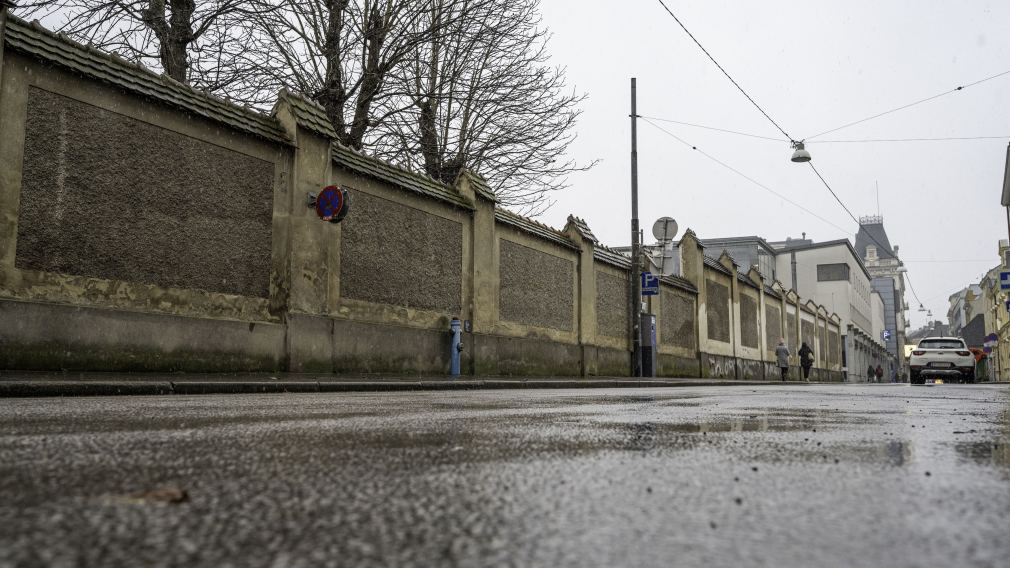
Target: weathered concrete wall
109	196
807	331
160	251
717	313
750	370
41	336
611	305
718	366
500	355
773	327
398	255
137	233
677	366
677	322
749	333
536	287
834	348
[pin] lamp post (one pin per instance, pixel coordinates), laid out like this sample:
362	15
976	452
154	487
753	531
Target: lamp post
636	252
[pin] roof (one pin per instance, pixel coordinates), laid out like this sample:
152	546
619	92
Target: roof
826	244
747	280
679	282
35	41
308	113
873	234
611	257
375	168
582	228
715	264
771	292
534	228
753	239
479	184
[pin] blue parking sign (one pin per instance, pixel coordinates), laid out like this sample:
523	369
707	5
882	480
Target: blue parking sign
650	284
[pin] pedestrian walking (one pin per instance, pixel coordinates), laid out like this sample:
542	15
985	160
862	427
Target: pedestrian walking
880	374
782	357
806	360
871	373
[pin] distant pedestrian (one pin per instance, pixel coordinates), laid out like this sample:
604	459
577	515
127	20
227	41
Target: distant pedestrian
806	360
871	373
782	357
880	374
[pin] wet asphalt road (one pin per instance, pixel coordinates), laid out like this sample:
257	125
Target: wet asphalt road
820	475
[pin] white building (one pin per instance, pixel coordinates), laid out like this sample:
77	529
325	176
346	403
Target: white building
832	274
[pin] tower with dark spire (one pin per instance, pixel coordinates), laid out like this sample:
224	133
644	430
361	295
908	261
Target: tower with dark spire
881	260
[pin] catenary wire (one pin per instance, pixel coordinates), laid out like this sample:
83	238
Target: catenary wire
737	85
657	119
739	173
909	105
853	141
784	198
875	241
941	139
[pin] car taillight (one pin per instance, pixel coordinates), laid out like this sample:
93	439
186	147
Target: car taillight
964	353
918	352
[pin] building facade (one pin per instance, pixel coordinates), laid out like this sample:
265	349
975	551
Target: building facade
832	274
886	270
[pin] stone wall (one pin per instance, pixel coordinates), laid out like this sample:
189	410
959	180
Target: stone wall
108	196
677	321
146	227
536	287
773	327
749	334
807	332
718	311
834	348
395	254
611	305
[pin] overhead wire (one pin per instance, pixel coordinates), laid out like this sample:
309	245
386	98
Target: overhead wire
739	173
940	139
786	134
724	72
657	119
853	141
909	105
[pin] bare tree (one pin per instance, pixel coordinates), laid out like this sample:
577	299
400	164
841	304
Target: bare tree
485	98
340	53
184	38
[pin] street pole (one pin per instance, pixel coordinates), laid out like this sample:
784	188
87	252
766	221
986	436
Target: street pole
636	252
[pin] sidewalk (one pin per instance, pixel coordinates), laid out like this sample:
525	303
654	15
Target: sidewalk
32	384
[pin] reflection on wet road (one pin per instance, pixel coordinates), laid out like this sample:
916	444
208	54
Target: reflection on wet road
838	475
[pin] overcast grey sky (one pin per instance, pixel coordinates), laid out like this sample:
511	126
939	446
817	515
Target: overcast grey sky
812	66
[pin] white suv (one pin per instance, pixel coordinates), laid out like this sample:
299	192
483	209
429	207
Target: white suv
945	357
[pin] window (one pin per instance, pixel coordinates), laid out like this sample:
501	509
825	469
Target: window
871	252
832	272
941	344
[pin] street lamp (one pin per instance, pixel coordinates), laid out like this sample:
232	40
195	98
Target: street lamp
800	153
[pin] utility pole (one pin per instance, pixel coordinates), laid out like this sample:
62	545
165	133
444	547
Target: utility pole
636	251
